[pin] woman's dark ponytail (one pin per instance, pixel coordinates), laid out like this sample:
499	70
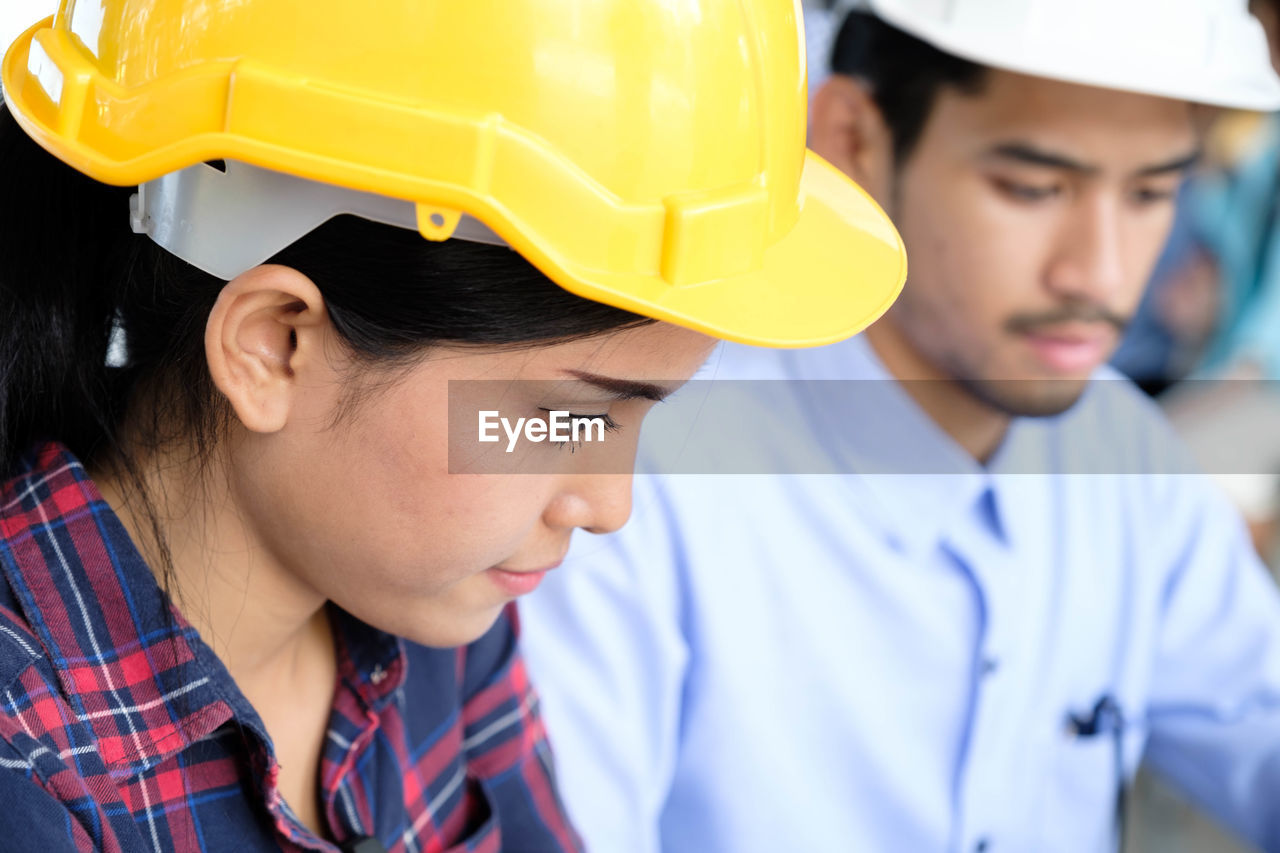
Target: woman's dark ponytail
62	242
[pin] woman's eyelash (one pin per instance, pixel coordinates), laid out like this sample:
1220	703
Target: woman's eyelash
610	425
606	420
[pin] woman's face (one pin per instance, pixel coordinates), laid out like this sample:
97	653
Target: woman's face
354	498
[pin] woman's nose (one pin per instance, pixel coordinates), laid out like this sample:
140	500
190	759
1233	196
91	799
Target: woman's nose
597	503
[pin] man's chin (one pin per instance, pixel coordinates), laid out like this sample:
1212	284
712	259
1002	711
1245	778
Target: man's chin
1028	398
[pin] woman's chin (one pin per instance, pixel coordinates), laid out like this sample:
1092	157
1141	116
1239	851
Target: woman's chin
456	626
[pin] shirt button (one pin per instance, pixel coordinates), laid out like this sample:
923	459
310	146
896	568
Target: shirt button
982	846
989	666
378	675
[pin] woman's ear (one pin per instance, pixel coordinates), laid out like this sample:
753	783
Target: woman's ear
264	339
847	129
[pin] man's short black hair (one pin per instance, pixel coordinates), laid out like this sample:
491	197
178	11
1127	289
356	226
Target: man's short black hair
904	74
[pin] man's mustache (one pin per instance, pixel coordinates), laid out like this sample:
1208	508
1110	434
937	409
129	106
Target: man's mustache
1070	313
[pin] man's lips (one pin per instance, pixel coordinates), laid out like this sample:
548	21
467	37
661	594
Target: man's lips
1071	348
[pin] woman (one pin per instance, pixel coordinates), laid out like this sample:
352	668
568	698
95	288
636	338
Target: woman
236	561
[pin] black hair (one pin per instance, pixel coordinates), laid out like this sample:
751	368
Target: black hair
904	74
72	273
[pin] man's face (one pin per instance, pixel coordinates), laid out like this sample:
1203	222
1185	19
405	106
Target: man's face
1033	213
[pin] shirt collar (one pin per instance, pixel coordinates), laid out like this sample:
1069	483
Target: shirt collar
131	667
370	662
134	669
917	474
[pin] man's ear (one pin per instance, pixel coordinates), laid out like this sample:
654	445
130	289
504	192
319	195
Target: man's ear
847	129
267	327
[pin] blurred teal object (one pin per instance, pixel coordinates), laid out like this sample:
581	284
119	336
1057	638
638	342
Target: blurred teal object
1234	216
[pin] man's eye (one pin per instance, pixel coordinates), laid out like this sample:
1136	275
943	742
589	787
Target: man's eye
1027	192
1153	195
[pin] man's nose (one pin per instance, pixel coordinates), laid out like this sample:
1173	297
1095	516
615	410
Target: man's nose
1089	263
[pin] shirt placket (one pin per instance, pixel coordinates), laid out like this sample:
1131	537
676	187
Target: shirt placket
370	673
981	796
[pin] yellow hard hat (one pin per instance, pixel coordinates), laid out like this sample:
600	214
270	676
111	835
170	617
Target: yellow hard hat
649	155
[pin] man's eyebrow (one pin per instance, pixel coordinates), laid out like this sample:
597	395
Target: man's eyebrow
1024	152
624	389
1181	164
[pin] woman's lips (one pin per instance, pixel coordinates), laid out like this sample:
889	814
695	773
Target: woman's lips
516	582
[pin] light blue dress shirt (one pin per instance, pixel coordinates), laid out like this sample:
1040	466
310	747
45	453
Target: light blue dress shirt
891	662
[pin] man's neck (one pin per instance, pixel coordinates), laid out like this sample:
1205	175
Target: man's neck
971	423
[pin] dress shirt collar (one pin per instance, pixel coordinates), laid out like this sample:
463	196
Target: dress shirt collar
139	674
923	480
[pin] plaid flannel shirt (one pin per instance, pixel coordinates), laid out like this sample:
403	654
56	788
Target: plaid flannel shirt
121	730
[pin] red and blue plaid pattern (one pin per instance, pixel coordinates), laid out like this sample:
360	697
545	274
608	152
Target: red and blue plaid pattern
121	730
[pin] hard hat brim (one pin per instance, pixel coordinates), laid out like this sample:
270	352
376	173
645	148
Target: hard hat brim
837	271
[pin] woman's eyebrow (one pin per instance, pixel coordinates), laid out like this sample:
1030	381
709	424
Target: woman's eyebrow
624	389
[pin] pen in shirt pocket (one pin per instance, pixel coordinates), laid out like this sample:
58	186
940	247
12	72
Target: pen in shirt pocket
1106	718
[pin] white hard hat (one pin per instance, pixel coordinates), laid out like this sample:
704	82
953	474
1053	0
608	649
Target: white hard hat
1204	51
820	28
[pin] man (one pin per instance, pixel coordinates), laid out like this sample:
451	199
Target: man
945	653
